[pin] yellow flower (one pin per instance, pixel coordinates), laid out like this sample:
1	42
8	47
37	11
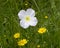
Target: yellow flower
38	46
46	17
42	30
22	42
16	35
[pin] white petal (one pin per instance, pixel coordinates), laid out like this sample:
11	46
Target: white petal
24	24
30	12
33	21
21	14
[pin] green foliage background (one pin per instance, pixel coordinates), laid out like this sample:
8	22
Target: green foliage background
9	23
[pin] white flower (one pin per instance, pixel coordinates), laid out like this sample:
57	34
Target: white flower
27	18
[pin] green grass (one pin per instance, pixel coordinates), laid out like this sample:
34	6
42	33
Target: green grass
9	23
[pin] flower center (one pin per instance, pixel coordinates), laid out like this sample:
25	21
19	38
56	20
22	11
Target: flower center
27	19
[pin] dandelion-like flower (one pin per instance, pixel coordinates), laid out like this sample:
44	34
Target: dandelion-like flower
27	18
16	35
22	42
42	30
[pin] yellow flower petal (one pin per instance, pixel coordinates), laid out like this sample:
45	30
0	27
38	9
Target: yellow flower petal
42	30
16	35
22	42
